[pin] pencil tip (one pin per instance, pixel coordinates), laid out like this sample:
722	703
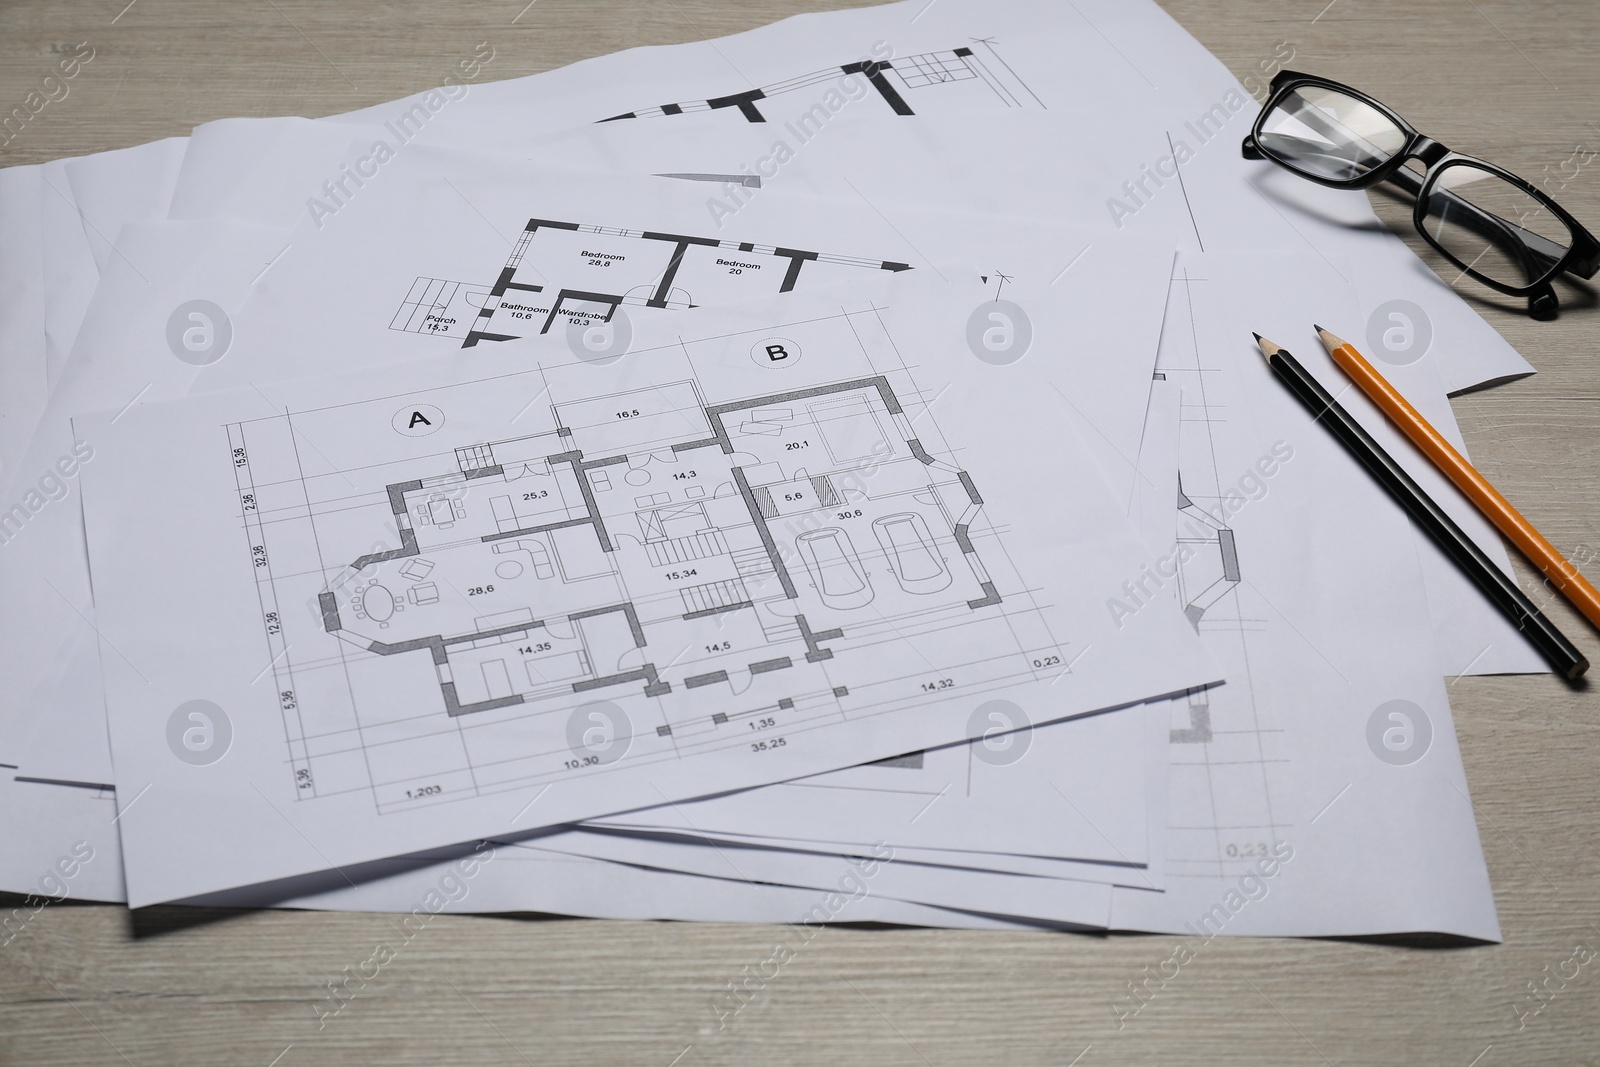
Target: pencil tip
1329	339
1257	336
1268	348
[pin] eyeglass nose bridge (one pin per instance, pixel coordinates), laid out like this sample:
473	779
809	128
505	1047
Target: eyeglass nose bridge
1425	150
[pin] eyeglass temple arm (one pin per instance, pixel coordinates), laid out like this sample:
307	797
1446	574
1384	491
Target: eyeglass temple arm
1529	247
1544	252
1536	260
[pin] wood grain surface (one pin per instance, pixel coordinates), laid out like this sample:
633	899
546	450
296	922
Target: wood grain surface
1515	82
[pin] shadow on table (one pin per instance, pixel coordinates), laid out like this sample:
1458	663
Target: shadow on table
159	919
389	892
1575	294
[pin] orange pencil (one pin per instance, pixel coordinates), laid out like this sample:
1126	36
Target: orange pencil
1540	552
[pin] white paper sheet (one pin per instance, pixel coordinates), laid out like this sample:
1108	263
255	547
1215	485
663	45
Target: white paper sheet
1146	317
60	844
445	219
70	273
445	800
240	169
938	88
967	798
1296	767
1236	778
340	283
127	185
1038	899
365	282
1273	220
49	652
521	877
1013	62
1039	746
1028	56
1235	205
1278	210
66	848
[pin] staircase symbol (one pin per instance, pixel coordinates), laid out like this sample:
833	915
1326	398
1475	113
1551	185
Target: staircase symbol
713	595
756	571
701	545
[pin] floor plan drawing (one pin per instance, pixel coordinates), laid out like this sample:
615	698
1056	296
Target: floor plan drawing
562	273
707	563
694	558
971	75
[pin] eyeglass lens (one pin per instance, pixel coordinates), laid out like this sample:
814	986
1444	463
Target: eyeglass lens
1328	134
1491	226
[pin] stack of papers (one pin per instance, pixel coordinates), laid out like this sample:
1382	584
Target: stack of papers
818	475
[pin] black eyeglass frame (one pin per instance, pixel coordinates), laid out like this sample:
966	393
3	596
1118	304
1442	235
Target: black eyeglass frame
1581	259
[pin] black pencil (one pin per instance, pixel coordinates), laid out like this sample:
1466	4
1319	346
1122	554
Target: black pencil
1490	580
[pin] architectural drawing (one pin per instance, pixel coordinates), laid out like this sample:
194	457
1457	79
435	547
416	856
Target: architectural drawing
1198	730
704	565
972	75
562	273
1229	760
628	550
1211	570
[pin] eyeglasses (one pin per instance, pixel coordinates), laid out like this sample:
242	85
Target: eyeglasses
1495	226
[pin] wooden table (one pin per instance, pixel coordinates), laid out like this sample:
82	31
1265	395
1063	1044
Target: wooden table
1513	82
